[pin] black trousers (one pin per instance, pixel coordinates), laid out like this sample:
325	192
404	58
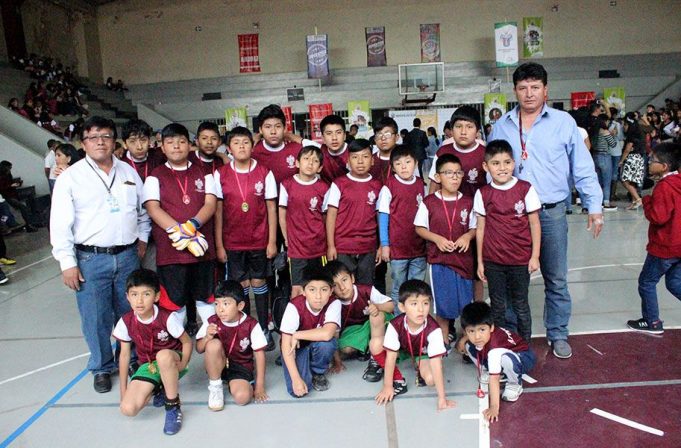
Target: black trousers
508	286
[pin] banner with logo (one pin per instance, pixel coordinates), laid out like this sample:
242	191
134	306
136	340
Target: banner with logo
495	106
236	116
581	99
506	43
375	37
317	114
359	114
430	42
249	58
533	37
616	97
288	113
317	56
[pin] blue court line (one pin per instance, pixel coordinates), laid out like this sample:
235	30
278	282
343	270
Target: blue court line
51	402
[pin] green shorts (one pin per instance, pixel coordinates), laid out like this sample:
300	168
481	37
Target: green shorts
358	336
144	373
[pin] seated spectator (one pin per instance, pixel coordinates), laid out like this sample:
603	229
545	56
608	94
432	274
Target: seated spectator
109	83
8	190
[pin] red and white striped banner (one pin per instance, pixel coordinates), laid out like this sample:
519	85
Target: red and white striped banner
249	59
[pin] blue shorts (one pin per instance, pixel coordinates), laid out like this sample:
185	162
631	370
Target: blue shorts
451	292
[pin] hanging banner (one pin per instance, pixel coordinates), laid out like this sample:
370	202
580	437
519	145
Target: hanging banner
430	42
236	116
317	114
317	56
506	43
359	114
288	113
249	58
375	37
495	106
581	99
533	37
616	97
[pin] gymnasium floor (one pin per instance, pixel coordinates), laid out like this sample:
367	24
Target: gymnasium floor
47	398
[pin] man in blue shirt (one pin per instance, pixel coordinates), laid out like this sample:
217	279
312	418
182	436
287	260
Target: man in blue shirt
547	151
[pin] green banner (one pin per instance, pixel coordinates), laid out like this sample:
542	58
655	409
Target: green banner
236	116
616	97
359	114
533	37
495	106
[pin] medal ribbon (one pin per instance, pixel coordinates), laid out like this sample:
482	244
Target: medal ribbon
177	178
450	218
524	153
238	183
411	349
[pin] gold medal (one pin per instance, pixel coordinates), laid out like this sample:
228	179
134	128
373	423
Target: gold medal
152	368
244	207
186	199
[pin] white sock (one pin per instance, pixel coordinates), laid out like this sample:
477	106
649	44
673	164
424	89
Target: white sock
217	382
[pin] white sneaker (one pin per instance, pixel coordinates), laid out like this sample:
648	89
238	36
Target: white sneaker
216	397
512	392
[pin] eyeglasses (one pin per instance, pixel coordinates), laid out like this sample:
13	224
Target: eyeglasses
451	174
382	135
96	138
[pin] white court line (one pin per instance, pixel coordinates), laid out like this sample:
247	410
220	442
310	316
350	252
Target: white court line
483	424
592	348
49	366
597	266
529	379
14	271
469	416
627	422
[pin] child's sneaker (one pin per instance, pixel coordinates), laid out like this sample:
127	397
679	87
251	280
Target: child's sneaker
420	382
173	422
373	373
642	325
320	383
400	387
216	397
512	392
364	356
159	398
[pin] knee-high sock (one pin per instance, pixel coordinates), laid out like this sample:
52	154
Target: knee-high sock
261	294
380	359
205	310
247	297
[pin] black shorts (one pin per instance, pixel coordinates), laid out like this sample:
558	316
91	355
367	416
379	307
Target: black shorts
298	265
362	266
248	264
237	372
193	281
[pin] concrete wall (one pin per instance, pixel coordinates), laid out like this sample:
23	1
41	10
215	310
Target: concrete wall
146	41
25	164
48	29
3	43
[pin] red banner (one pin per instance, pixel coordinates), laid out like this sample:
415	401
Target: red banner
288	113
317	114
249	59
581	99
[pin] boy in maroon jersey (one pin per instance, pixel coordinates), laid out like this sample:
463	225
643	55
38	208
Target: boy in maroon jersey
508	237
445	219
385	136
136	136
231	340
246	222
207	143
415	334
495	351
301	219
161	343
351	226
180	198
272	151
308	327
334	148
398	202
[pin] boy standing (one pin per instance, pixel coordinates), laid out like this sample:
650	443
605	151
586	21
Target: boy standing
351	227
417	334
508	237
162	345
272	151
136	136
308	328
495	351
385	134
445	219
224	357
207	143
663	210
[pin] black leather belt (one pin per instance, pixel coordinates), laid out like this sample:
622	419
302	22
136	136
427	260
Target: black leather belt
549	206
113	250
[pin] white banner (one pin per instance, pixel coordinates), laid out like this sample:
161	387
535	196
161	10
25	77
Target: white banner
506	43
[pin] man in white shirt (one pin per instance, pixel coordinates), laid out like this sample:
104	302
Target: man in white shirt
98	231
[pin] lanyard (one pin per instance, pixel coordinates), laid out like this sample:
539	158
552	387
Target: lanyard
480	393
411	349
134	164
450	218
244	204
185	197
524	155
108	187
139	326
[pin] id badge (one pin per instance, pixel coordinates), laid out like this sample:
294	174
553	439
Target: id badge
113	204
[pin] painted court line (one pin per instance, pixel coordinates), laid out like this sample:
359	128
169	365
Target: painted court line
627	422
597	266
483	424
14	271
391	424
49	366
592	348
602	386
469	416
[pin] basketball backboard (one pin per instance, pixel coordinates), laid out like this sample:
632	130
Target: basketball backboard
426	78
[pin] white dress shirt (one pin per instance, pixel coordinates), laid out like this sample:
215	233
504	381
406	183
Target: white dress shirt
84	212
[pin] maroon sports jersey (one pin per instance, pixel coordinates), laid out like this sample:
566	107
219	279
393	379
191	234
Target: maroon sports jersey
471	164
503	338
334	166
151	338
145	168
356	224
404	242
419	342
381	169
353	313
236	340
305	227
281	162
208	166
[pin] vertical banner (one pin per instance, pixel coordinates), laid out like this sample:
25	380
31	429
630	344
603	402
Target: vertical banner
581	99
533	37
288	113
317	56
317	113
236	116
506	43
249	58
430	42
616	97
495	106
375	37
359	114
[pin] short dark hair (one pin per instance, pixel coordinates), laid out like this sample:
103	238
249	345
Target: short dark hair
385	122
143	277
313	273
466	113
231	289
51	142
669	154
174	130
416	123
271	111
332	119
497	147
530	71
100	123
311	149
208	126
476	313
444	159
336	267
448	125
359	144
400	151
239	131
135	127
414	287
354	126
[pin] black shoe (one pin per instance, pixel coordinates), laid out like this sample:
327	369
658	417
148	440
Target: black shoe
278	361
270	342
568	212
373	372
3	277
466	359
102	382
319	382
364	357
420	382
400	387
132	368
30	229
191	328
642	326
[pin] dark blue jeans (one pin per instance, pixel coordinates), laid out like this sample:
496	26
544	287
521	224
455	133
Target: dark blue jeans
653	270
311	359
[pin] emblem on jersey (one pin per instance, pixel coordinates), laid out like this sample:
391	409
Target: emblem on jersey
313	204
419	199
199	185
259	187
473	175
371	198
291	161
244	343
464	215
162	336
519	208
